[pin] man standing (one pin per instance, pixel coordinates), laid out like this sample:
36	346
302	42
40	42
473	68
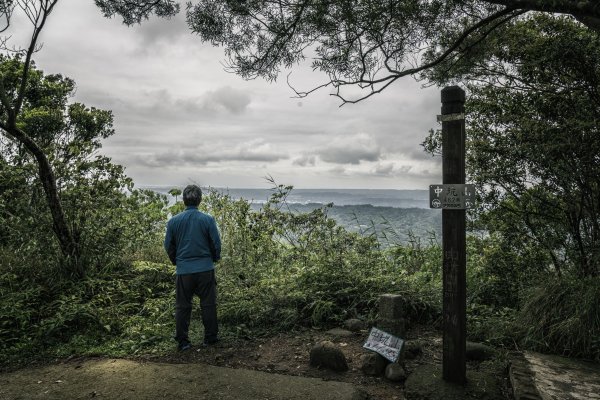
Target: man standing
193	245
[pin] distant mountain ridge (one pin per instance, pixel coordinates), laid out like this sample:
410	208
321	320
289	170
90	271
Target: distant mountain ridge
393	215
396	198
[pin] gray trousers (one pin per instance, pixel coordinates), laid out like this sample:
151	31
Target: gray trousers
204	285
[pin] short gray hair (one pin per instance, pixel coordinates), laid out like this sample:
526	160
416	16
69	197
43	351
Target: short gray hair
192	195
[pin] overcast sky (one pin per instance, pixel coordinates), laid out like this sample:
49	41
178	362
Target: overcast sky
180	118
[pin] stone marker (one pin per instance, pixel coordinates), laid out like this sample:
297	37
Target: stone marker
391	306
391	315
396	327
327	355
372	364
395	372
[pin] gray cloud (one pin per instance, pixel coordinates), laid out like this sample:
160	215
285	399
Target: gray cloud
159	31
153	105
390	169
384	169
419	154
351	149
338	170
253	151
233	100
225	100
304	160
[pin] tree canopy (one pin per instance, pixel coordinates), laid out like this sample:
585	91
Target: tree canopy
105	214
364	43
16	101
533	126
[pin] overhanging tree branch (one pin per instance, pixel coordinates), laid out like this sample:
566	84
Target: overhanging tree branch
503	15
40	20
588	8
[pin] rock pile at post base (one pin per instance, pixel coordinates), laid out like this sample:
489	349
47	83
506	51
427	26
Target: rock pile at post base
391	320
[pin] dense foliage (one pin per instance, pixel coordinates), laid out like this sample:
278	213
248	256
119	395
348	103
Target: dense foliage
279	271
533	150
534	141
41	300
533	146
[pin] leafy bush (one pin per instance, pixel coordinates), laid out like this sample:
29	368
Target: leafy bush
282	268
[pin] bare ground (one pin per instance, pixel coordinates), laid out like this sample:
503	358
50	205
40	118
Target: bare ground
288	354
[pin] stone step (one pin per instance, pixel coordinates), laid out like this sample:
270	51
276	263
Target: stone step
536	376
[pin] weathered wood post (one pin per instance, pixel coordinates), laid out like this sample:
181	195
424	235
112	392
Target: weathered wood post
454	238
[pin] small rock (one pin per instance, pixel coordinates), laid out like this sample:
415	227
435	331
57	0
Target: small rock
395	372
327	355
372	364
354	325
339	332
478	352
412	349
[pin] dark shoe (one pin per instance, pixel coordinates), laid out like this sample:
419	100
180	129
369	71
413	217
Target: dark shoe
208	343
184	346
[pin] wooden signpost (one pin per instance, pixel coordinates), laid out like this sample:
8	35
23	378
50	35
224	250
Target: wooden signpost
453	197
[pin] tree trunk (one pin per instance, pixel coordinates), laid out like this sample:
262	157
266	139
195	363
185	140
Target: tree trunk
68	245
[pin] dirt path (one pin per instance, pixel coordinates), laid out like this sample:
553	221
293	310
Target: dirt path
261	368
126	379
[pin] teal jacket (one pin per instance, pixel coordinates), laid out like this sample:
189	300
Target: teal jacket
192	241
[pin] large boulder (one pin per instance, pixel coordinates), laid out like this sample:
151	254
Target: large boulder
478	352
325	354
354	325
372	364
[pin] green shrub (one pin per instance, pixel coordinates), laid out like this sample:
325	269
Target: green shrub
562	316
280	270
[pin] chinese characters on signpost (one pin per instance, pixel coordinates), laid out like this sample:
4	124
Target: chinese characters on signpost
452	196
389	346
